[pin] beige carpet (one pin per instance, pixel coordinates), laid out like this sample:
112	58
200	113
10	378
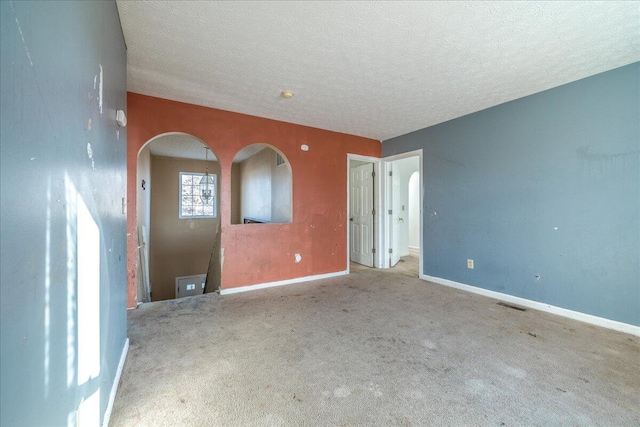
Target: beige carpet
372	348
408	265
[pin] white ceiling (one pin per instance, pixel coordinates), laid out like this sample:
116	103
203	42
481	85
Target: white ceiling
185	146
179	145
375	69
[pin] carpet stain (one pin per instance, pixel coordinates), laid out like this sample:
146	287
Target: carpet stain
375	389
416	394
475	386
515	372
156	369
430	345
341	392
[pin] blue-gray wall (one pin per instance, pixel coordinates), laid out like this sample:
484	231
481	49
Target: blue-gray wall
545	185
51	53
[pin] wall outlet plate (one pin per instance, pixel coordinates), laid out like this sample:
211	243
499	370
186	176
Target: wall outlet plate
470	264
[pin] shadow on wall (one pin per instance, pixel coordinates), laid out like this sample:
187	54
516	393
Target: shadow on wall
261	186
178	228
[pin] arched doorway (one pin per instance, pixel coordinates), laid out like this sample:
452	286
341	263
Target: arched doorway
178	229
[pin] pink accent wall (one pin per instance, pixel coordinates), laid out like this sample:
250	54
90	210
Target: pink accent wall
257	253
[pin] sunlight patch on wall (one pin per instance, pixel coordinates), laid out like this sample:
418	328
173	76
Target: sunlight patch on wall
88	294
88	414
70	202
47	293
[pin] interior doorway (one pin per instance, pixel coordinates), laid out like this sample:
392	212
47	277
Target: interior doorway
362	213
178	218
403	207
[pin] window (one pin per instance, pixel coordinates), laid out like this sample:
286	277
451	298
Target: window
191	205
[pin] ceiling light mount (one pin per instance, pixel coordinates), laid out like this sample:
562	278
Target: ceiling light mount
287	94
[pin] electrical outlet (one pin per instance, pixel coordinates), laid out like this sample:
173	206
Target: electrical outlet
470	264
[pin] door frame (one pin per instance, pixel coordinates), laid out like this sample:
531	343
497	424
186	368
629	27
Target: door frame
377	205
386	224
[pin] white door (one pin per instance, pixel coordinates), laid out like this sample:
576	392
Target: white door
361	210
396	216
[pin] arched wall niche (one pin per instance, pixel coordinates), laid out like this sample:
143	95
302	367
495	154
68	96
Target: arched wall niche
261	186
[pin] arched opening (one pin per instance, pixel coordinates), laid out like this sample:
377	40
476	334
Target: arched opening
178	225
261	186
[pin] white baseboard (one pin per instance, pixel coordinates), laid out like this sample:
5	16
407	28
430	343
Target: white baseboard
114	387
282	282
575	315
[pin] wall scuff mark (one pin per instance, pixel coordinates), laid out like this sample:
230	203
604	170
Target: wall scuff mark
100	91
90	155
24	43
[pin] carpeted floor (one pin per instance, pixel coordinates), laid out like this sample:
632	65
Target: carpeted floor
372	348
408	265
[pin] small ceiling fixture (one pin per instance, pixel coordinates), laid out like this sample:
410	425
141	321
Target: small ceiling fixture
207	185
287	94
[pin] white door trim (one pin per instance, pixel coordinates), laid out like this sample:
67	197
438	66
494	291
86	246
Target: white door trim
378	259
385	224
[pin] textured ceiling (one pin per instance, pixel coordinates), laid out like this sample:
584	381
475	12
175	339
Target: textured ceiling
179	145
185	146
375	69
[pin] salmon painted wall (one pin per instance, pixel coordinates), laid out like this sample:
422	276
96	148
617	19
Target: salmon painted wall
257	253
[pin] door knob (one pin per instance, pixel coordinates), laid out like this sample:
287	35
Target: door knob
351	219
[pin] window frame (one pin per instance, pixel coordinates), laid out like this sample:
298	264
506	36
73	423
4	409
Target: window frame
215	196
